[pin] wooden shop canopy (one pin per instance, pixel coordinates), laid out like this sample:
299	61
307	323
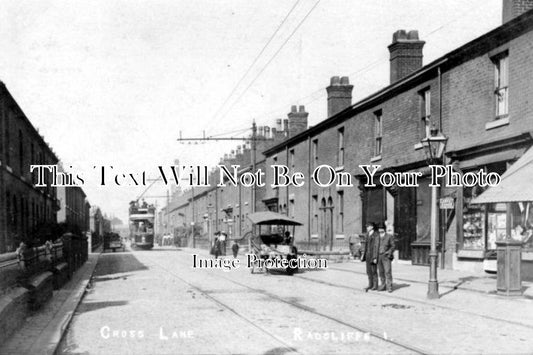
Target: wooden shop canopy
516	184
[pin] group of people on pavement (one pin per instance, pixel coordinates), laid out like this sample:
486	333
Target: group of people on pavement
378	254
219	245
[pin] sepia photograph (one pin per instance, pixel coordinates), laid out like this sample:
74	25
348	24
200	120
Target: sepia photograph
266	177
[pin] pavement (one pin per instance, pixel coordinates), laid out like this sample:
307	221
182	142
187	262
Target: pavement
42	331
469	317
449	280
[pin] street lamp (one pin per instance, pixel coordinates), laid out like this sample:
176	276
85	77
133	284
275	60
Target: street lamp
193	238
434	148
206	221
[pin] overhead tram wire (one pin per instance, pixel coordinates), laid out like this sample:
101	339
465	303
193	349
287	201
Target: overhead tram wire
271	59
363	69
255	60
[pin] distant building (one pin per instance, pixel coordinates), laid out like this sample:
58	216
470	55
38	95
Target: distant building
74	209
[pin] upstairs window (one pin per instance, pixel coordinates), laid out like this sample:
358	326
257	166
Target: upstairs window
501	76
340	216
426	125
340	151
291	159
21	154
315	153
378	133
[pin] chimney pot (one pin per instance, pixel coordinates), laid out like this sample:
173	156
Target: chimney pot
412	35
339	95
297	121
334	80
515	8
398	36
293	108
405	54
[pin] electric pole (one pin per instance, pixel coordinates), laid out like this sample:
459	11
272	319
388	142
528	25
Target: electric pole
254	157
253	139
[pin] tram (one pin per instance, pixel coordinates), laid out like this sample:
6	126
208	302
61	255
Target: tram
141	218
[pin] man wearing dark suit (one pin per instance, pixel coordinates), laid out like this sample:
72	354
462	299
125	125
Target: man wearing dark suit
386	249
370	255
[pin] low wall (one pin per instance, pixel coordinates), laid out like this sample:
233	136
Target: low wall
28	283
13	311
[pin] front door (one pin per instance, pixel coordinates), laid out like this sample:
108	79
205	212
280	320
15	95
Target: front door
373	206
405	220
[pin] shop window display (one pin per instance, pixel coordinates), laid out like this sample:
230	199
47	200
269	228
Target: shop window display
497	224
522	223
495	215
473	221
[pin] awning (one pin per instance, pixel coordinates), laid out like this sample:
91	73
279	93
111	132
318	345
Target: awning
505	155
516	184
272	218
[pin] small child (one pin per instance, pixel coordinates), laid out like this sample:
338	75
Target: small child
235	249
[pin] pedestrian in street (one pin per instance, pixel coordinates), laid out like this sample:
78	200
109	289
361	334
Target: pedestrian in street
235	249
370	255
386	250
222	239
217	247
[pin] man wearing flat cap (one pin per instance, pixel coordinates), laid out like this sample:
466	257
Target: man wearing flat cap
386	250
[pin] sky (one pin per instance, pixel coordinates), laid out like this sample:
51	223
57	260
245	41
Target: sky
115	83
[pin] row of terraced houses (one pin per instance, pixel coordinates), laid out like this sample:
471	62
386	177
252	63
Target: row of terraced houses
479	96
26	211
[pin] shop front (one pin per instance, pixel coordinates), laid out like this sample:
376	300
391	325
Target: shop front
506	212
479	226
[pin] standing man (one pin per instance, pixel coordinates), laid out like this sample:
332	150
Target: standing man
386	250
370	255
222	239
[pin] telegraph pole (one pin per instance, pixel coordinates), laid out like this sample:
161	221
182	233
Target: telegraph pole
254	160
167	229
193	218
253	139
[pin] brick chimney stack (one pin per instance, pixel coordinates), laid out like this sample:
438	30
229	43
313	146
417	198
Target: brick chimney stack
515	8
297	120
339	95
405	54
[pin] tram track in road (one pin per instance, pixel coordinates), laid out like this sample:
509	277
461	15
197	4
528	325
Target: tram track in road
291	303
392	296
286	347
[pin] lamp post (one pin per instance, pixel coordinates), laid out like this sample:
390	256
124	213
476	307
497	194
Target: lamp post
434	148
206	221
193	237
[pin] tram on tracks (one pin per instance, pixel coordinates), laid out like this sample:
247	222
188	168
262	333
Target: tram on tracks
141	220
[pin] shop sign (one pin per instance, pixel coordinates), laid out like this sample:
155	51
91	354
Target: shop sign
446	203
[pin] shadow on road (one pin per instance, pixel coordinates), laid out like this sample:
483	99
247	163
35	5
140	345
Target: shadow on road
85	307
396	286
279	351
109	264
111	278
